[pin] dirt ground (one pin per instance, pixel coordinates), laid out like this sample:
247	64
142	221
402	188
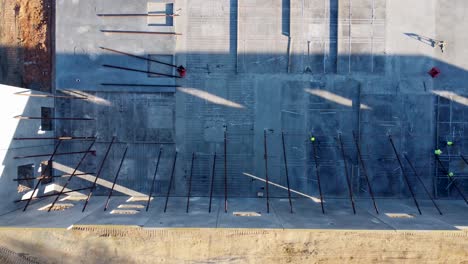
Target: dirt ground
135	245
26	43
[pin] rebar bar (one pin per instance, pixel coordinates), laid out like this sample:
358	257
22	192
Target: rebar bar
348	180
404	174
139	57
153	181
422	183
53	118
212	181
56	154
140	32
48	166
190	183
364	171
98	174
451	178
318	175
225	171
115	179
265	156
287	173
141	71
170	182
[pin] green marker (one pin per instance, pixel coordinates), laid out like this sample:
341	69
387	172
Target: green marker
450	174
438	152
449	143
312	139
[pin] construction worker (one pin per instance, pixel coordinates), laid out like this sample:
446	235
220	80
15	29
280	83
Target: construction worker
442	44
182	71
438	152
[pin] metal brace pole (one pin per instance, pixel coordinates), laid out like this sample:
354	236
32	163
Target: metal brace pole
115	178
212	181
98	174
170	182
190	183
422	183
318	175
404	174
266	171
364	171
72	175
287	173
225	172
154	179
49	162
452	181
348	180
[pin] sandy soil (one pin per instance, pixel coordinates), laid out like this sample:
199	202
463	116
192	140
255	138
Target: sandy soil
25	43
135	245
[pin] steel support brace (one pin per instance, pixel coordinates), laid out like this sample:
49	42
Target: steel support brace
212	181
98	174
318	175
170	182
364	171
115	179
190	183
404	174
154	180
348	180
72	175
287	173
48	166
265	156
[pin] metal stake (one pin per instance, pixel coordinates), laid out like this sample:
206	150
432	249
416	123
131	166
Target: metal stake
52	118
154	179
170	182
287	174
115	178
225	171
212	181
49	162
404	174
71	176
56	154
422	183
140	32
98	174
190	183
452	181
318	176
364	171
142	71
139	57
265	156
348	180
54	138
463	158
126	15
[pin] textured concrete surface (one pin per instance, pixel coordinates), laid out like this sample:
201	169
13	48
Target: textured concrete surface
305	68
246	213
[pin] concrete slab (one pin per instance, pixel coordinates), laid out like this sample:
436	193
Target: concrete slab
402	215
338	215
115	215
33	217
264	220
176	216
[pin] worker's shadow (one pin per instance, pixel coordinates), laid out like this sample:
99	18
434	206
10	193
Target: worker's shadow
428	41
